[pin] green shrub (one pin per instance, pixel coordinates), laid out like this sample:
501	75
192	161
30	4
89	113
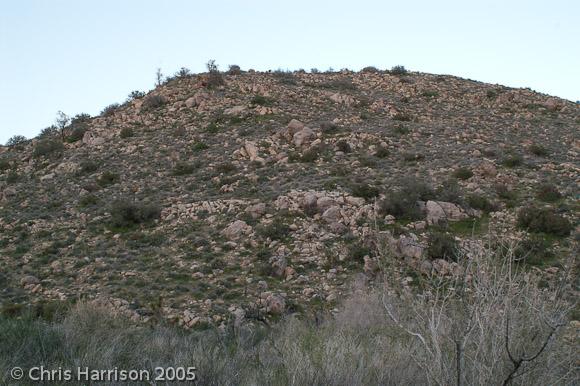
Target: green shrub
329	127
538	150
398	70
16	141
430	94
358	251
543	220
261	101
48	148
370	69
226	167
126	132
214	77
88	200
478	201
125	213
110	110
5	165
135	95
403	203
153	102
463	173
199	146
364	190
88	166
382	152
108	178
12	177
534	250
449	191
310	155
402	117
285	77
183	168
234	69
343	146
276	230
548	193
513	160
442	246
506	193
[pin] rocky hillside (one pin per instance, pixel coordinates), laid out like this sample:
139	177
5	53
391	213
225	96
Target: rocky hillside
224	196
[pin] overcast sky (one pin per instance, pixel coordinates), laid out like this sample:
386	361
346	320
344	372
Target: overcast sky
79	56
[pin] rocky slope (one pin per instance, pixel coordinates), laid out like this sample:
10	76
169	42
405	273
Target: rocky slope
219	197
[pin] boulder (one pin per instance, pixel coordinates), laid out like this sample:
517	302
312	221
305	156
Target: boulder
441	211
332	215
236	110
236	230
275	304
91	139
256	210
303	137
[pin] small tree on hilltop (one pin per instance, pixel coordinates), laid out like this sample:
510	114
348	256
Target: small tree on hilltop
62	121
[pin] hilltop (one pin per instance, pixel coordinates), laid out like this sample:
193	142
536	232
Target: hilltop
250	195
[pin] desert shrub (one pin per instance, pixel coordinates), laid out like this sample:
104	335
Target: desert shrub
403	203
370	69
261	101
364	190
88	200
382	152
135	95
234	69
329	127
12	177
463	173
183	168
126	132
183	72
16	141
342	84
214	76
412	157
533	250
310	155
430	94
548	193
285	77
5	164
538	150
225	167
449	191
47	132
398	70
491	94
402	117
125	213
48	148
110	110
153	102
506	193
108	178
88	166
478	201
543	220
512	160
199	146
79	125
357	251
343	146
276	230
442	246
77	133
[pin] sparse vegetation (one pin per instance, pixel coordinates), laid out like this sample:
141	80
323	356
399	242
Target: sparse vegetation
538	150
442	246
513	160
16	141
403	203
107	179
110	110
183	169
214	77
398	70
